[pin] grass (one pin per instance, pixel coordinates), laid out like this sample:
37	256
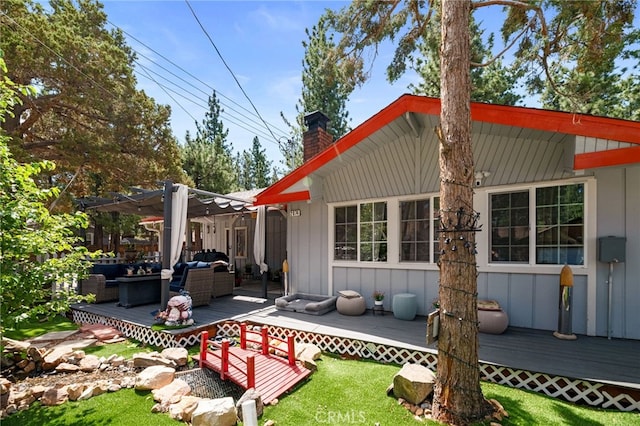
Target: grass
38	327
341	392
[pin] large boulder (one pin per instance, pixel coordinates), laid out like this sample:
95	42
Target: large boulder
183	409
154	377
177	355
413	383
171	393
250	394
215	412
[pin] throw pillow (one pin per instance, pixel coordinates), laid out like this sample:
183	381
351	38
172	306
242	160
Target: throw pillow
349	294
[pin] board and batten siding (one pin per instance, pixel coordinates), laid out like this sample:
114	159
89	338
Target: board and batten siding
403	163
409	165
619	216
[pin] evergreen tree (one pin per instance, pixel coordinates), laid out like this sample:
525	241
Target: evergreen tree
491	83
254	168
85	114
207	158
322	90
572	30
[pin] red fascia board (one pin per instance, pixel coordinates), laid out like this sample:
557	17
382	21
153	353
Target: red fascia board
283	198
529	118
612	157
370	126
557	121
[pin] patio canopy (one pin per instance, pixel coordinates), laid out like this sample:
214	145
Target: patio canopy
151	203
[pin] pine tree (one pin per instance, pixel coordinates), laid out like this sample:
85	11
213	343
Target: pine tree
207	158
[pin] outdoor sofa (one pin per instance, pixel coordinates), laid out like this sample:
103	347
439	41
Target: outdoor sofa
102	279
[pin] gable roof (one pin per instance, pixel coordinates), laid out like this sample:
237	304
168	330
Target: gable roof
294	187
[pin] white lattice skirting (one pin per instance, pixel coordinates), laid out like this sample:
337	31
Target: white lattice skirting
573	390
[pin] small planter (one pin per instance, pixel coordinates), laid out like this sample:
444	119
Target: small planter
378	302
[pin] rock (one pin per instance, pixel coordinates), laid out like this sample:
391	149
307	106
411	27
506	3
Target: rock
55	356
55	396
154	377
100	331
35	354
89	363
413	383
171	393
151	359
248	395
183	409
219	412
177	355
307	351
11	345
75	390
65	367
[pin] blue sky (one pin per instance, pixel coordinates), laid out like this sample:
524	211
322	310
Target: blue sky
261	42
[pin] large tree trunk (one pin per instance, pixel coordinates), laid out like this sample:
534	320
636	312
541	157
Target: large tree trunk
458	398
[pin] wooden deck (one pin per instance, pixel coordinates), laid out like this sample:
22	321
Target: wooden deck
614	361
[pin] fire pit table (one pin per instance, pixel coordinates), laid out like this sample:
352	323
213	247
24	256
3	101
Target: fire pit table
137	290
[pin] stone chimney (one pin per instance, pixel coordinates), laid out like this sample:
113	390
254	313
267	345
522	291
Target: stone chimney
315	139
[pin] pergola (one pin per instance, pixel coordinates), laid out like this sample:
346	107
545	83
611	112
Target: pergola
175	203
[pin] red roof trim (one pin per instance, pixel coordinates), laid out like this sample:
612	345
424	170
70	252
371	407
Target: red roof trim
613	157
283	198
531	118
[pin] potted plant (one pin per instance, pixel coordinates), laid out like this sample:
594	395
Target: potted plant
378	297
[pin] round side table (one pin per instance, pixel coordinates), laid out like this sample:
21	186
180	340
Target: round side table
405	306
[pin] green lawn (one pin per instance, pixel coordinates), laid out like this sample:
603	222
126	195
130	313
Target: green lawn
341	392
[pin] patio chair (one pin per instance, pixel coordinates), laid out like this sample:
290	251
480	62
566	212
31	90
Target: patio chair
198	282
97	284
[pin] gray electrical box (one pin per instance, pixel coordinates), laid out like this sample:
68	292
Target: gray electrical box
611	249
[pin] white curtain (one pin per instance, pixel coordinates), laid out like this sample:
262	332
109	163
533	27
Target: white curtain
259	239
179	206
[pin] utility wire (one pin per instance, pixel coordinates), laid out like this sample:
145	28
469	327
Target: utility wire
131	36
59	55
230	71
200	103
168	94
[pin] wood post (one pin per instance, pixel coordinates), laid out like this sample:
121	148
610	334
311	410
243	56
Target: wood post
204	342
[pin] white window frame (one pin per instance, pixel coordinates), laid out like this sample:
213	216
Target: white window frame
482	204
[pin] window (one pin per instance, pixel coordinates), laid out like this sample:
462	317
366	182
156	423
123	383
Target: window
346	233
241	242
559	226
510	227
373	232
415	238
361	232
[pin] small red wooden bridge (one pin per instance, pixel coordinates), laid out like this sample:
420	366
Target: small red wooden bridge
269	374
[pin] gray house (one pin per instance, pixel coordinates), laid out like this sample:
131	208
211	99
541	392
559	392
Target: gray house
552	188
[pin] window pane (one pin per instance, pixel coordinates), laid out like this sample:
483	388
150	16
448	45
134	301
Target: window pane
380	252
366	252
352	214
366	232
414	228
510	227
346	233
560	225
366	213
373	232
380	211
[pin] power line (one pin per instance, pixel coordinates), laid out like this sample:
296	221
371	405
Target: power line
248	126
230	71
283	132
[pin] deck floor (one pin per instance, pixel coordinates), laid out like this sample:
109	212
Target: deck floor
598	359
